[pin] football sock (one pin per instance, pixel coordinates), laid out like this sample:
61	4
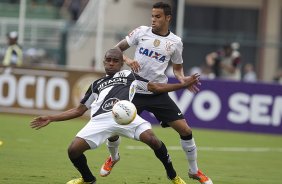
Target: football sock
113	148
164	157
190	150
81	165
187	137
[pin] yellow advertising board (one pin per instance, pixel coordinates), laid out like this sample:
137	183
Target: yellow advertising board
39	91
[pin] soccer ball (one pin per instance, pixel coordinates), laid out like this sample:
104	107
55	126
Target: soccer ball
124	112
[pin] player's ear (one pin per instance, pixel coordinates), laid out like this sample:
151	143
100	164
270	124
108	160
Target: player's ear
168	18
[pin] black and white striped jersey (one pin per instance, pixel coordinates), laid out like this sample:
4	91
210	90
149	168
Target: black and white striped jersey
105	92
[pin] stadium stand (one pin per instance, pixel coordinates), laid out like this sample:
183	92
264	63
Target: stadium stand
38	10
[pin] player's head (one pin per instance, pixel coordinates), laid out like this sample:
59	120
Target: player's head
161	17
113	61
12	37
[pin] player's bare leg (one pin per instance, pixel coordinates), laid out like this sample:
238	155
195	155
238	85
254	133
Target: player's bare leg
149	138
75	152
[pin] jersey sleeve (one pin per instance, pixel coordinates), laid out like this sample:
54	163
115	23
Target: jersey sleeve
142	85
176	57
89	97
133	36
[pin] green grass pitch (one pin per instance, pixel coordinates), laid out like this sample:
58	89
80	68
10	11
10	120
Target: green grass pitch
30	156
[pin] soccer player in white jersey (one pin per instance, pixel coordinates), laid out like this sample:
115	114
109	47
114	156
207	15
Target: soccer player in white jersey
100	97
155	47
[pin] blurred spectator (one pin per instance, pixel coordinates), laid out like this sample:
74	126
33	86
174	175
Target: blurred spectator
75	8
33	56
195	69
278	77
203	70
225	62
13	54
249	73
58	3
206	72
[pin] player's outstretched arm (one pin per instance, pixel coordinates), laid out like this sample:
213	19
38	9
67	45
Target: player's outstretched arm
178	72
43	121
133	64
40	122
194	87
122	45
161	87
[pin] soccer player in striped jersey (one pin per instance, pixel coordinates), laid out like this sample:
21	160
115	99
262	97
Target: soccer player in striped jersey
156	46
100	97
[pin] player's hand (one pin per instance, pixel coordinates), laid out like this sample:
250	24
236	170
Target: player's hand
192	82
40	122
133	64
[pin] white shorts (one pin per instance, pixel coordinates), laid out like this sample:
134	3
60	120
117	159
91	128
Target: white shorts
103	126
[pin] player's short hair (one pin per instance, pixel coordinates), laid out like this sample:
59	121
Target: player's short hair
117	50
166	7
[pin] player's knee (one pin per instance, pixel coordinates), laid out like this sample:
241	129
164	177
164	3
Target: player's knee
182	127
151	140
73	152
186	131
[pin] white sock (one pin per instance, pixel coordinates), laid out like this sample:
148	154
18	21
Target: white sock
113	148
190	150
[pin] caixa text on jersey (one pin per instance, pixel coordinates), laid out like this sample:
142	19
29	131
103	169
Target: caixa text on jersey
152	54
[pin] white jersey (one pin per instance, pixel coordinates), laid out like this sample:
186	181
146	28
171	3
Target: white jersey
154	52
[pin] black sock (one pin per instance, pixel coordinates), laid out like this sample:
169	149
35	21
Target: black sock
188	137
164	157
81	165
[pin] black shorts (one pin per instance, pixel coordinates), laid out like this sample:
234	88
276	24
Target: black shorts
161	105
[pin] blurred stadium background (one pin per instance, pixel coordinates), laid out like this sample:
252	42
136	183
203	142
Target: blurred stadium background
51	36
63	54
64	42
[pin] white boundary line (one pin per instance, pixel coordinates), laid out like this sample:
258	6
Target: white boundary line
220	149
